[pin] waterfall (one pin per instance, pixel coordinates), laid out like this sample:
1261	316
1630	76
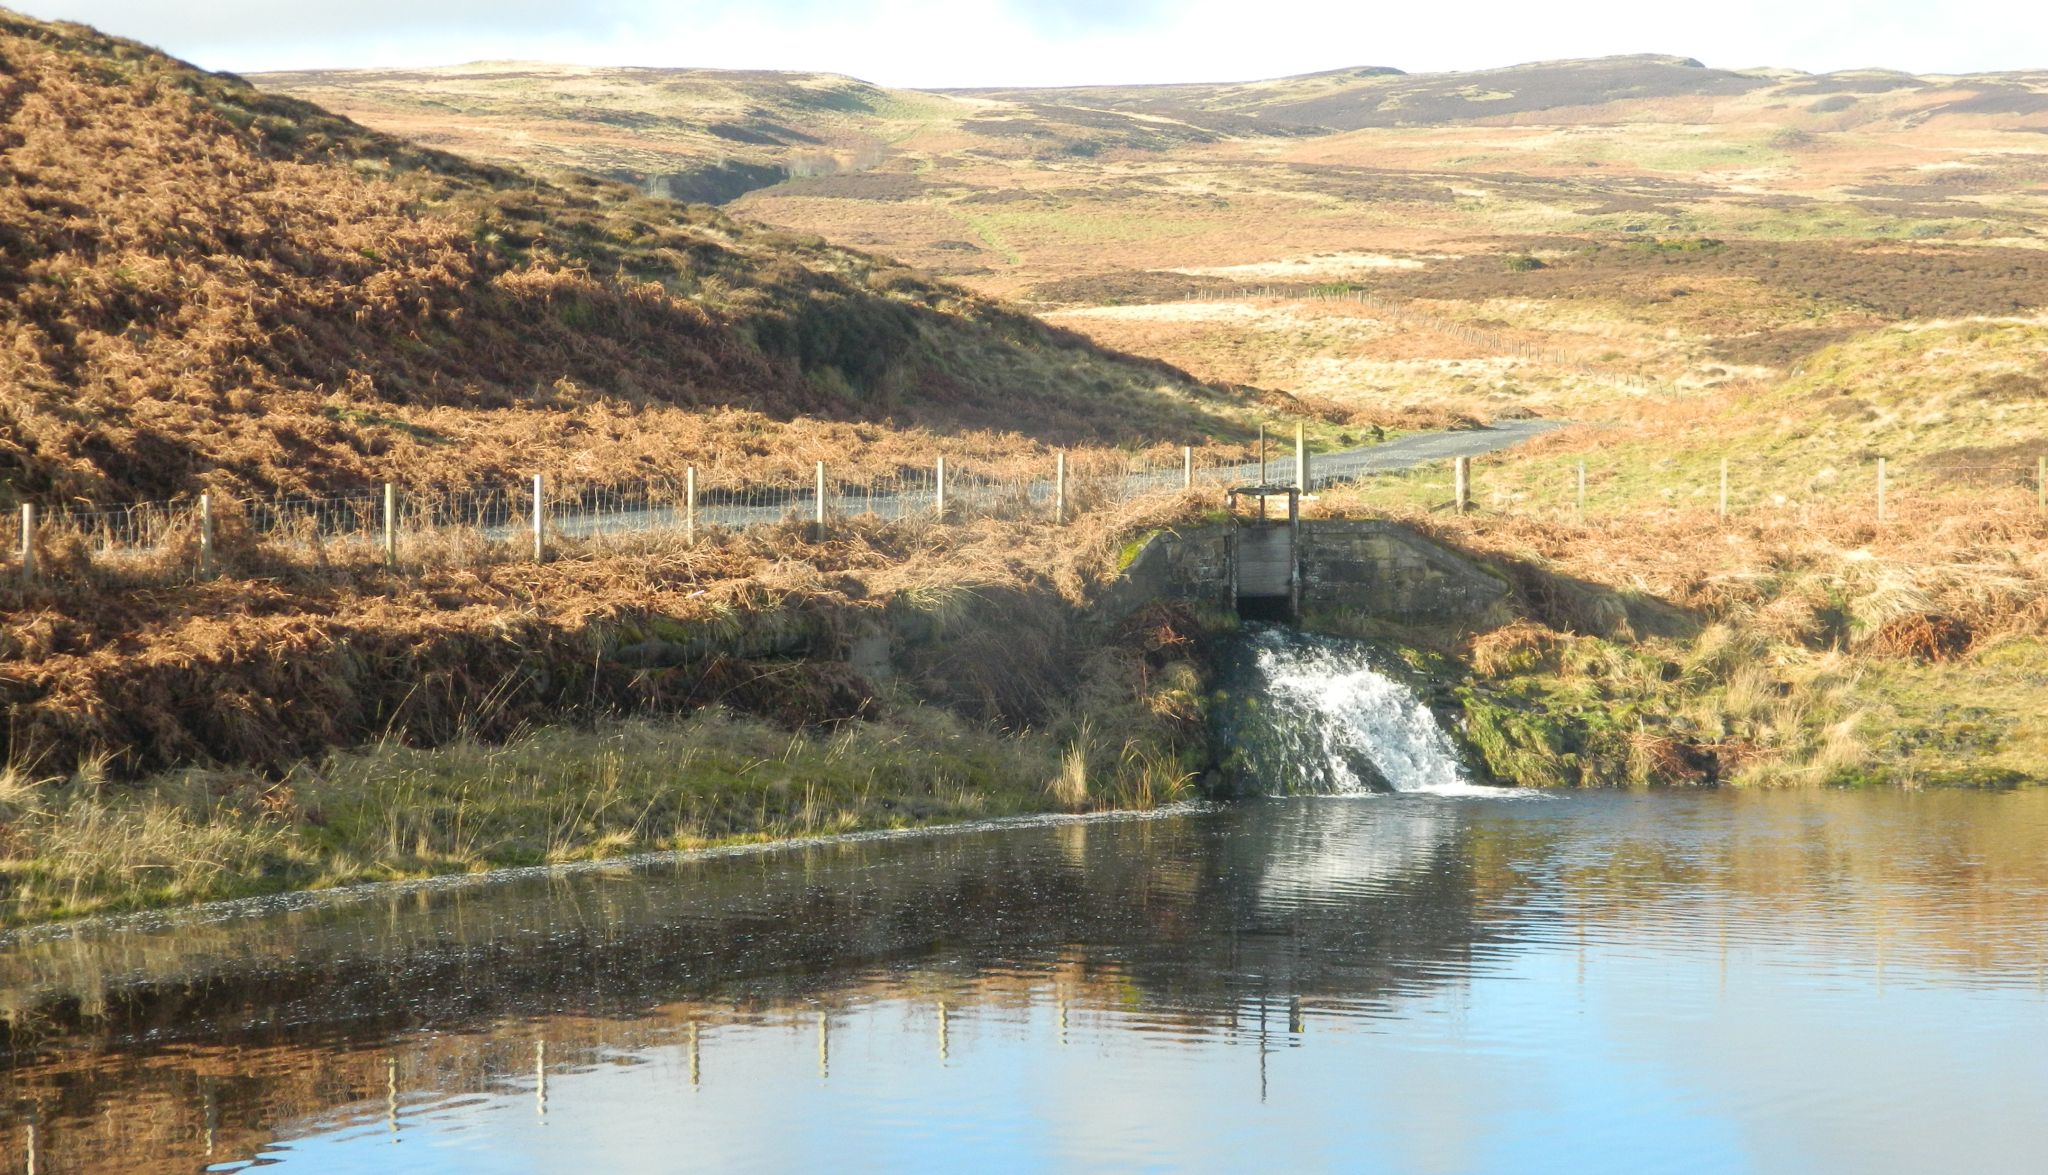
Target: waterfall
1310	714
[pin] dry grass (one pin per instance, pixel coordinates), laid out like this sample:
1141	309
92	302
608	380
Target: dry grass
1799	641
289	653
439	323
76	846
1069	787
1680	225
1373	368
517	713
208	286
1674	647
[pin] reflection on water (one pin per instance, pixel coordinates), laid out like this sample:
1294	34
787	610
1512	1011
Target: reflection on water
1714	982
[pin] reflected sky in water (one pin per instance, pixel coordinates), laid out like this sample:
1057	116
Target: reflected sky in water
1586	983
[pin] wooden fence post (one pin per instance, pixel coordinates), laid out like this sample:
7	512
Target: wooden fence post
1880	489
690	505
1461	479
390	525
1263	473
1301	457
206	534
940	505
28	541
540	520
1059	488
1187	467
821	501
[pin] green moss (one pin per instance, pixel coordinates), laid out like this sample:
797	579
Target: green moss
1677	245
1989	778
1129	552
1520	744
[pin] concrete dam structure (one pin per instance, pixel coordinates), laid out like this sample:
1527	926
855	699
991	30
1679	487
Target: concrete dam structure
1279	567
1264	554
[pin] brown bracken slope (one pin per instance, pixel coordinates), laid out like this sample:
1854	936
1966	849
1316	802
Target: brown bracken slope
201	284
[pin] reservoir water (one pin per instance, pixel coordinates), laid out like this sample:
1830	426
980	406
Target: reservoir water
1712	982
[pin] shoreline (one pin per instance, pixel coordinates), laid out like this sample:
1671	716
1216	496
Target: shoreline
293	901
895	699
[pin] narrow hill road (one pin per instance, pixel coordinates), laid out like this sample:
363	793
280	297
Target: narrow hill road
1325	469
1420	448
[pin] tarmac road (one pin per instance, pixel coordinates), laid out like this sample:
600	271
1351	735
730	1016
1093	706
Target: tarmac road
1324	469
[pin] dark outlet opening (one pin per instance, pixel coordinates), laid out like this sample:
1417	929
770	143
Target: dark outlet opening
1278	608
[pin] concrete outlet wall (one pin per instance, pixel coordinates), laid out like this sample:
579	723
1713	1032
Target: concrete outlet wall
1382	569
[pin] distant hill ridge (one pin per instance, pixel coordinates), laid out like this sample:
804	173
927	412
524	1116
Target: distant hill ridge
716	135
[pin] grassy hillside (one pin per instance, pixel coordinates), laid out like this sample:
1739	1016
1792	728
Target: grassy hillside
1802	639
1350	99
205	283
1561	235
693	134
1957	408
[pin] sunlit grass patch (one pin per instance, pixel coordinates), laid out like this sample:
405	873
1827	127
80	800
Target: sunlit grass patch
74	845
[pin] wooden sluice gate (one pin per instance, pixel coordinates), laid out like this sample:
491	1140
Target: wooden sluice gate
1264	554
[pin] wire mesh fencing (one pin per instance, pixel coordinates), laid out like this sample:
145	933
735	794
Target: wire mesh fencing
113	530
1877	490
534	517
195	536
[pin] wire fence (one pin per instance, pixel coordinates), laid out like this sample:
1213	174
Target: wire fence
188	537
532	518
1876	489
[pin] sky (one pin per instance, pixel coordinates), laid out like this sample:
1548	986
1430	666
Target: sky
940	43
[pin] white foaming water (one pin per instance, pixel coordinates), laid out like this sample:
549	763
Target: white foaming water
1336	722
